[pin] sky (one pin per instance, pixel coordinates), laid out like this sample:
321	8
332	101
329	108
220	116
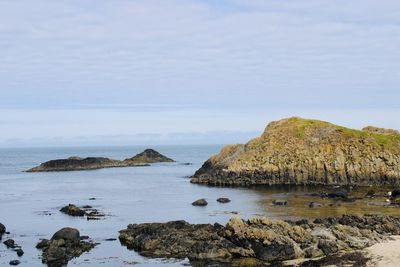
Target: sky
97	72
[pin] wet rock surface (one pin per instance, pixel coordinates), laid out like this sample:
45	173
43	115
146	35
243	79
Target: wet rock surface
86	210
260	238
15	262
65	245
91	163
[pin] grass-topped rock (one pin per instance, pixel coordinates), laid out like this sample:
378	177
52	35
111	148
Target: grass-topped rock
92	163
301	151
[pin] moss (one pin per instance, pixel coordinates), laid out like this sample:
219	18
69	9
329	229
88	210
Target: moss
300	126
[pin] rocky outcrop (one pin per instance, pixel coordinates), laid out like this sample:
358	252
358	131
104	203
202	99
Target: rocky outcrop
65	245
308	152
93	163
259	238
87	210
148	156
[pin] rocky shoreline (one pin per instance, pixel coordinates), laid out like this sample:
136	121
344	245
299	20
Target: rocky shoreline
259	240
308	152
92	163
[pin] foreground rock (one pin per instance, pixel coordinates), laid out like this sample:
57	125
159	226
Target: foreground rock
65	245
308	152
259	238
92	163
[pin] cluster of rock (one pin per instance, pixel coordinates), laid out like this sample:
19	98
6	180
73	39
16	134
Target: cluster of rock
91	163
308	152
11	244
65	245
87	210
259	238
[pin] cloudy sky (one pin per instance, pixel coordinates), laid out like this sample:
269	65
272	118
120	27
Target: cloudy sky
168	71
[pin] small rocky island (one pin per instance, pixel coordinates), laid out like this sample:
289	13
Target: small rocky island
92	163
308	152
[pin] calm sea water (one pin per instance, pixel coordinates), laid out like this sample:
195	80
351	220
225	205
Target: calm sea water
30	202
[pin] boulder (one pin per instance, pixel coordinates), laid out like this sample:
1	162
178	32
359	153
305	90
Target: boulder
314	205
280	202
67	234
10	243
73	210
223	200
14	262
200	202
63	246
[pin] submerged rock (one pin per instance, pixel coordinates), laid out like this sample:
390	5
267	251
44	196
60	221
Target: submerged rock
200	202
92	163
63	246
73	210
307	152
259	238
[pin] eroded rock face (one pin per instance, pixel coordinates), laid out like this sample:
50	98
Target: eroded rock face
65	245
92	163
308	152
259	238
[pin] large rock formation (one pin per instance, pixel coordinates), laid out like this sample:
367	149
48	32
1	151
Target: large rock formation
307	152
259	238
92	163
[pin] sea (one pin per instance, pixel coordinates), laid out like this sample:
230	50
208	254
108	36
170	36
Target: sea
30	202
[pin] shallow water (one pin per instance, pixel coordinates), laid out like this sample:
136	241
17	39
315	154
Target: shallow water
29	202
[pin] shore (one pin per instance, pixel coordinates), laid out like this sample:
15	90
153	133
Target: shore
385	254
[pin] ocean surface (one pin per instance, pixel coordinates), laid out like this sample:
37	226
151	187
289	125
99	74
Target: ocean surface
30	202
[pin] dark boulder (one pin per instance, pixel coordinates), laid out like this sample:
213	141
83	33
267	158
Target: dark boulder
14	262
63	246
223	200
280	202
200	202
10	243
68	234
73	210
20	252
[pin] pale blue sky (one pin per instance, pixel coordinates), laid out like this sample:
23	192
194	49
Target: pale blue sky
88	72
